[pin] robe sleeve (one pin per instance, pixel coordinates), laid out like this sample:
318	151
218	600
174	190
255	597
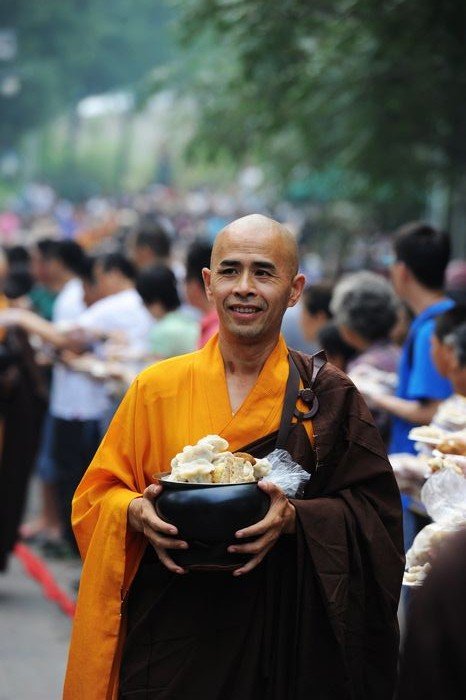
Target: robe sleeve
349	538
111	482
109	551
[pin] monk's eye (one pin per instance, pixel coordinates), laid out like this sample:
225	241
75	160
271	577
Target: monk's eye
262	273
227	271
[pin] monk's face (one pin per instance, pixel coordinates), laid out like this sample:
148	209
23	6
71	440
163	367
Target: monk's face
253	278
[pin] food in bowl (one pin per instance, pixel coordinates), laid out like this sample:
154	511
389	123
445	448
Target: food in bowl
210	462
209	495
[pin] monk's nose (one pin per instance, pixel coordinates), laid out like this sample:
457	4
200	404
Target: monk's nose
244	285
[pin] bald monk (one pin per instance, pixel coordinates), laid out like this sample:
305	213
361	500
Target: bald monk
312	612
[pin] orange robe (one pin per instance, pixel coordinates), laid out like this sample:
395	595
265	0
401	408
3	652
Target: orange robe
172	404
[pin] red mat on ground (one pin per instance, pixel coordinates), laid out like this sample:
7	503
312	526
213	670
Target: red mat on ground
36	568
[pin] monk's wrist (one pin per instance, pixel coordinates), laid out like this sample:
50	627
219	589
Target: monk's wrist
290	520
134	514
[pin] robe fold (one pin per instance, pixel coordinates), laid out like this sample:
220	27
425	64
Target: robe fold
320	611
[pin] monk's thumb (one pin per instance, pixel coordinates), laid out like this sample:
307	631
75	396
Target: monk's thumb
269	488
153	490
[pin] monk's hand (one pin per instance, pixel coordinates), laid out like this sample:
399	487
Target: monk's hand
280	520
162	535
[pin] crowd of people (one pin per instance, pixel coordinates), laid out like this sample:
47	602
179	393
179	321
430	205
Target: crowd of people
81	316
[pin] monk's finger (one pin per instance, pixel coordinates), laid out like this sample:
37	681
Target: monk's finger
257	545
272	490
252	563
273	519
152	491
168	562
151	520
278	502
165	542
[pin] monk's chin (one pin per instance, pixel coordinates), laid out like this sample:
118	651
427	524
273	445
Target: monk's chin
248	333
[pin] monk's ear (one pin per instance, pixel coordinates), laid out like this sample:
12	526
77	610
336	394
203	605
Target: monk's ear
207	276
296	290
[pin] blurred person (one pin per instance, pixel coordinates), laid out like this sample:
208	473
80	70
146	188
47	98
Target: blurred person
432	659
455	281
91	290
365	308
337	350
76	402
65	263
292	330
442	351
456	340
44	292
18	255
65	260
422	255
114	313
22	406
152	245
444	359
320	566
197	258
315	310
3	267
175	332
400	330
17	287
119	308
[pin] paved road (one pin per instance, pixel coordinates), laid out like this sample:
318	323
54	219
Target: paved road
34	636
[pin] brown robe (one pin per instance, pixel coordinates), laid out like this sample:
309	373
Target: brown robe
318	618
22	405
433	660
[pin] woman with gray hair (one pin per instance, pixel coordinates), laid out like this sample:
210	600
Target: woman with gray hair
365	308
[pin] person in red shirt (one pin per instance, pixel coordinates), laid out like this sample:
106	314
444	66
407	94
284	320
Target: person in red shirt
198	258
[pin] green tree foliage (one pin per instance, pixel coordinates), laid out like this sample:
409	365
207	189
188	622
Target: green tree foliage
68	49
372	88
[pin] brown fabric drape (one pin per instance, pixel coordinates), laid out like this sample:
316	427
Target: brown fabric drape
22	405
318	618
433	659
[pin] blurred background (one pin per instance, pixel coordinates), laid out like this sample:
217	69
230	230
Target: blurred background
347	117
140	128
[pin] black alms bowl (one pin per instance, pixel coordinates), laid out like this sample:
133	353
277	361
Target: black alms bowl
207	517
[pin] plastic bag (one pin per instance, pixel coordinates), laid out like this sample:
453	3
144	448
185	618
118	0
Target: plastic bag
287	474
444	496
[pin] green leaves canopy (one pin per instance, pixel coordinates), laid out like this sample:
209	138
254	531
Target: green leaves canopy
373	88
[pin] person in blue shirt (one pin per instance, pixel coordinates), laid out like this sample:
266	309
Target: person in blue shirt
421	257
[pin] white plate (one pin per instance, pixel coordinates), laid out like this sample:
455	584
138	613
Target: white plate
427	439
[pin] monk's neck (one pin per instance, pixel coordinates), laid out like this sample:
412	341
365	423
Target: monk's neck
242	359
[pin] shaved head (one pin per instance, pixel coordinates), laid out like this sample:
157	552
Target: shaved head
257	227
253	278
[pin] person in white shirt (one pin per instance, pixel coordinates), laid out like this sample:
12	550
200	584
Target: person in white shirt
120	308
77	402
80	405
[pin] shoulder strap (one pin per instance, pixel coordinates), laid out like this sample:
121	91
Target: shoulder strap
289	403
292	392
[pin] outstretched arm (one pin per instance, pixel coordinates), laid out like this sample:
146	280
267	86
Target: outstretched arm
32	323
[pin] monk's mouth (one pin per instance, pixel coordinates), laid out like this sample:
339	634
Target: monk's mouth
245	310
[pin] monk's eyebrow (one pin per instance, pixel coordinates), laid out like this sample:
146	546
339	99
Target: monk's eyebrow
263	264
228	263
